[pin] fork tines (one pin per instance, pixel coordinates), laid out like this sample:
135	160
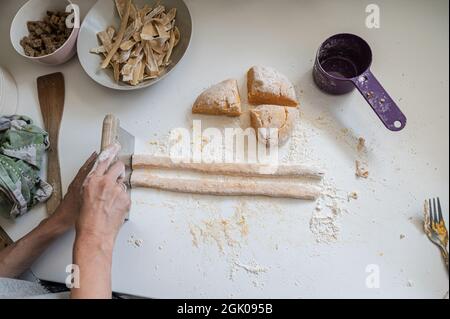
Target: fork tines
435	212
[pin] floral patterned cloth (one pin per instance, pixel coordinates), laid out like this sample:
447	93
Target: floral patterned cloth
22	147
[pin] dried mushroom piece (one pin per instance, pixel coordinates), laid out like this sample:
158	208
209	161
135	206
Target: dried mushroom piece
142	47
171	14
176	32
154	13
105	40
127	45
116	71
170	48
111	32
98	50
148	32
121	6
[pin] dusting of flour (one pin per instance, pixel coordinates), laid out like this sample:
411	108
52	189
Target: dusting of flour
324	223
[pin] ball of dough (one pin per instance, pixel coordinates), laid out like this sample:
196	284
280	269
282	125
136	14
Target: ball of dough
282	118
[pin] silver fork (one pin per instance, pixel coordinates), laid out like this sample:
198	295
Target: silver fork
437	233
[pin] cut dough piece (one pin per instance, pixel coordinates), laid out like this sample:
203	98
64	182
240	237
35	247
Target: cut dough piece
266	85
264	117
243	187
220	99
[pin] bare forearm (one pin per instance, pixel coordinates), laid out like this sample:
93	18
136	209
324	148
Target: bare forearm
18	257
103	210
93	256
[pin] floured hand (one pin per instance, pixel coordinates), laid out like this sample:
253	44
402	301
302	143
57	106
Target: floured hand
105	202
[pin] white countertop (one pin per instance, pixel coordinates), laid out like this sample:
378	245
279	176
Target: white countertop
410	59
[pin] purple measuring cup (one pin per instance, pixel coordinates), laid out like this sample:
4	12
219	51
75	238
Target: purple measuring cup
343	63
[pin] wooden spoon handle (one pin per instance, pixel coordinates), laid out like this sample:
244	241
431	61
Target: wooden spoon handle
54	178
51	93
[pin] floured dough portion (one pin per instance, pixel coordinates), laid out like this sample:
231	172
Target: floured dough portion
242	187
220	99
264	117
266	85
146	161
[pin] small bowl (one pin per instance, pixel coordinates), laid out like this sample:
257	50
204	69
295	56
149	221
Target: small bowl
35	10
104	14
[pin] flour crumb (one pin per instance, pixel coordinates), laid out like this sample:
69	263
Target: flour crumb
325	228
254	268
361	144
361	169
352	195
258	284
136	243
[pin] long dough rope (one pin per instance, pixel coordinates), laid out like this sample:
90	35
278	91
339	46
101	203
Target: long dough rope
238	169
143	178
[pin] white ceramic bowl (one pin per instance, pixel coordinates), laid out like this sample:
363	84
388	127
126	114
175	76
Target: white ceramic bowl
35	10
104	14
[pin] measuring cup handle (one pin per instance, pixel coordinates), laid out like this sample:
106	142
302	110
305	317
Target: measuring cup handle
380	101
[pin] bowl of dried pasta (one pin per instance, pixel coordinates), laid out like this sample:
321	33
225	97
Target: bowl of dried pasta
132	44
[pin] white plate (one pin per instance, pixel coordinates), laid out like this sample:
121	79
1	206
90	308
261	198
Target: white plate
104	14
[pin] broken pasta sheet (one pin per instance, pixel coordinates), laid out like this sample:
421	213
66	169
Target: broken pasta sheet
142	47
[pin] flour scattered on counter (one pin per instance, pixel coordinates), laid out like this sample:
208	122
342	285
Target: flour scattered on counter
158	147
258	284
329	206
324	228
224	232
136	243
254	268
229	233
298	151
324	221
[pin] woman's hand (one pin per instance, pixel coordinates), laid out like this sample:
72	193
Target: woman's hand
105	202
68	210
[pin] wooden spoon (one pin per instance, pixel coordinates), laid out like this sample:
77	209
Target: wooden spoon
51	98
